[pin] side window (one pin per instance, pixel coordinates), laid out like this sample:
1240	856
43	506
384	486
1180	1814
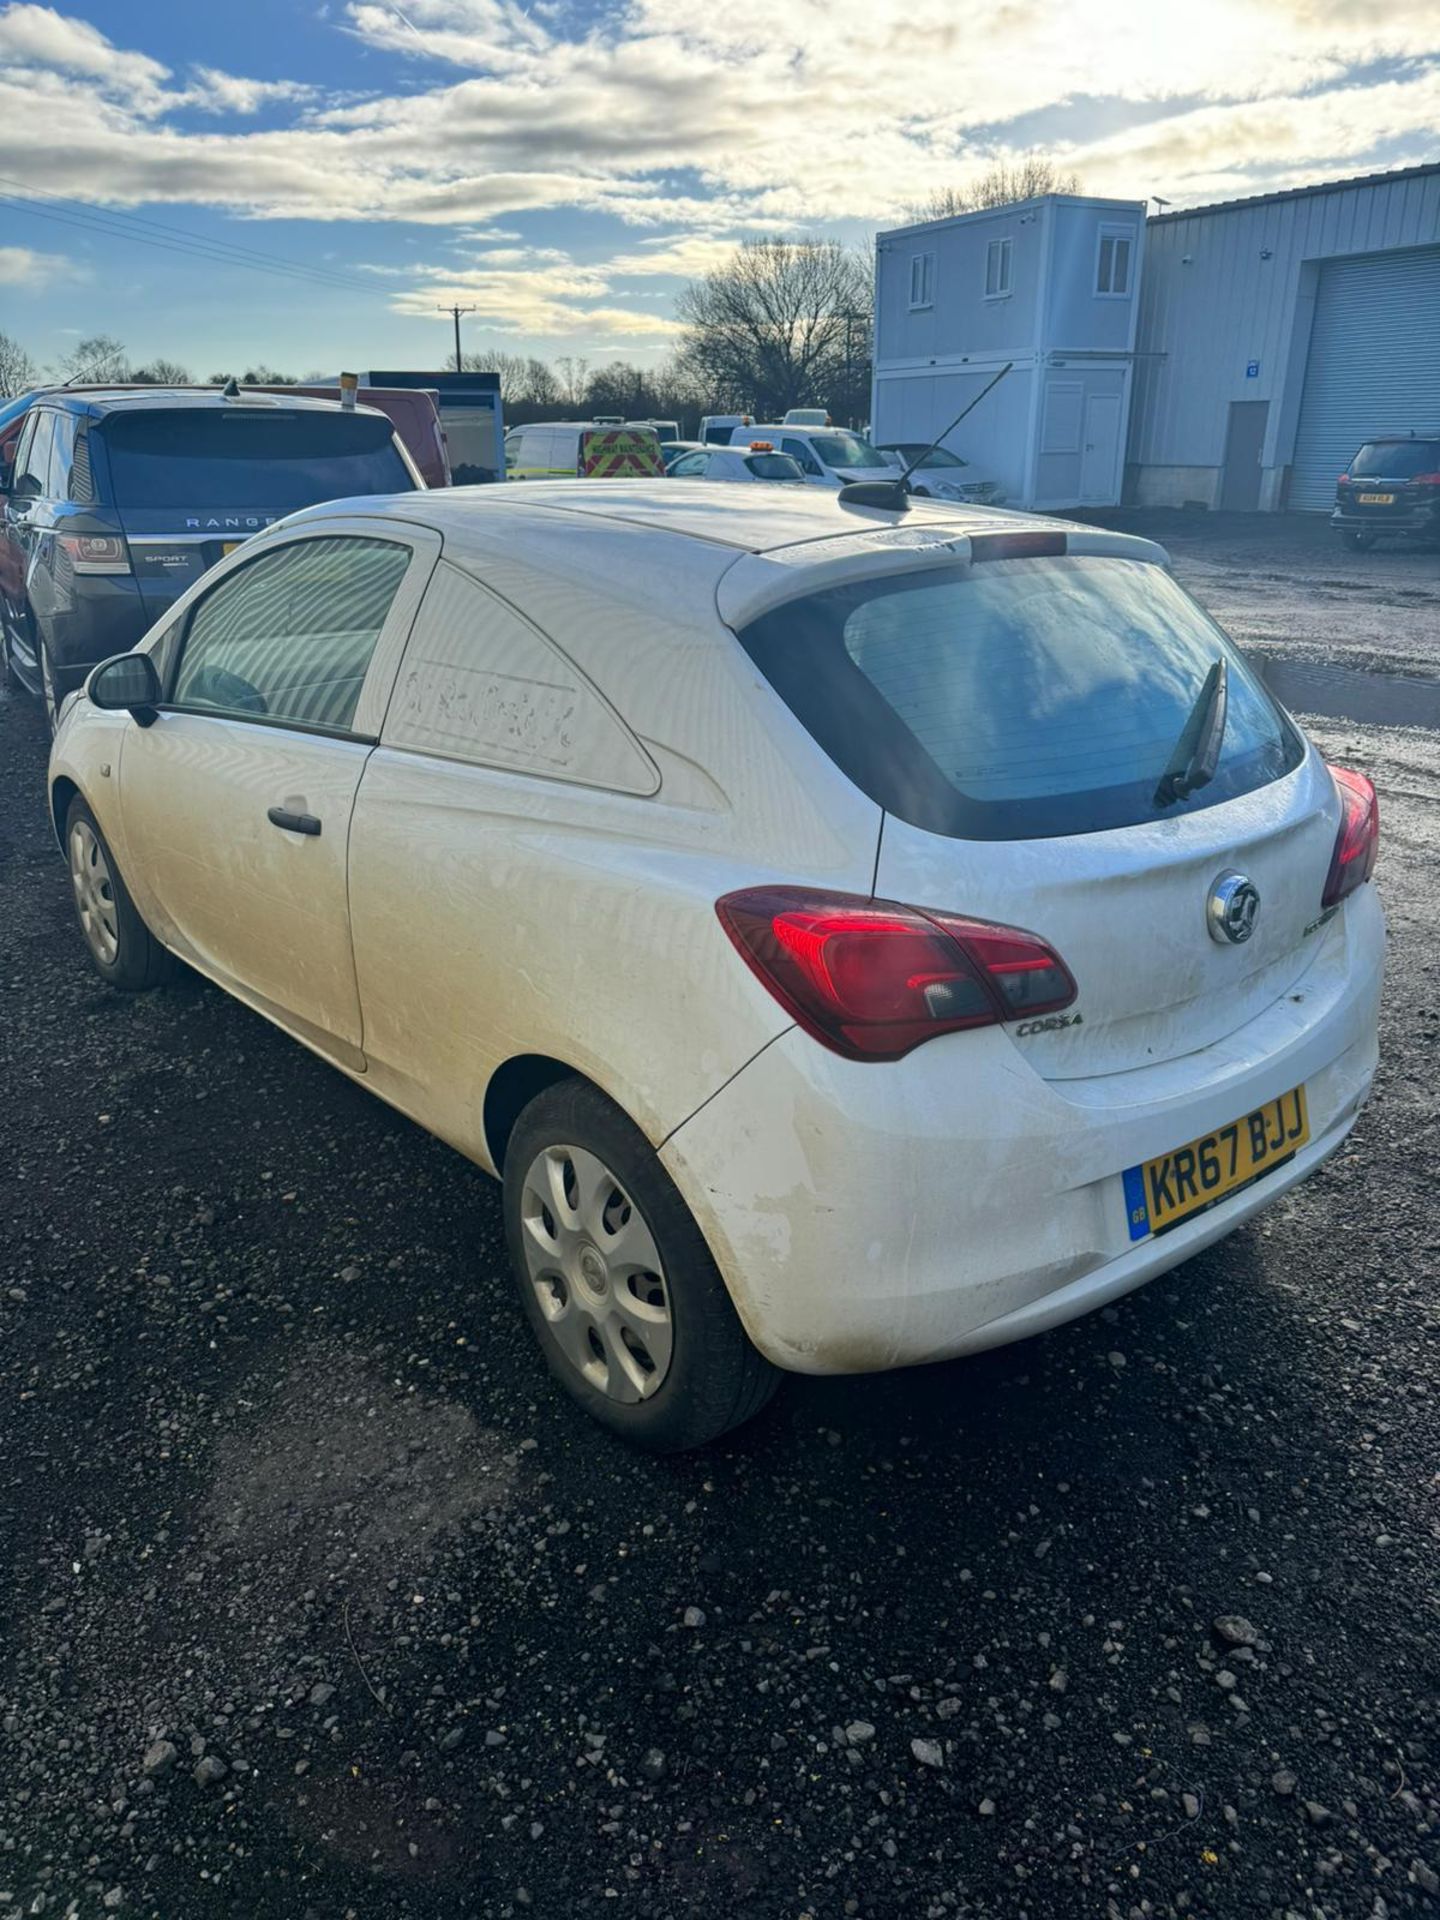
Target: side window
922	279
22	447
1112	263
799	451
997	269
691	463
32	474
290	636
479	683
62	456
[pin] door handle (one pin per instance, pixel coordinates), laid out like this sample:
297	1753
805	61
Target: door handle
293	822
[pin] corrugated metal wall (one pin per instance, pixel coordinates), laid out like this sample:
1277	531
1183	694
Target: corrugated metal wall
1226	289
1374	364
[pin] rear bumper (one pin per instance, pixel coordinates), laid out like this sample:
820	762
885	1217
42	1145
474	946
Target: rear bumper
105	615
1408	521
868	1216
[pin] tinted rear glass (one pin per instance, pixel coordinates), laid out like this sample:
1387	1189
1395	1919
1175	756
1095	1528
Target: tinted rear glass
1397	459
774	466
174	457
1017	699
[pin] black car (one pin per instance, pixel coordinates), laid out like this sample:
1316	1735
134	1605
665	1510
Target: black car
117	500
1391	487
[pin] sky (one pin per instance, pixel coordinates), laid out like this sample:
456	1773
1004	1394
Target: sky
563	166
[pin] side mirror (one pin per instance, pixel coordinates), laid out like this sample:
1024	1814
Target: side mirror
27	487
127	684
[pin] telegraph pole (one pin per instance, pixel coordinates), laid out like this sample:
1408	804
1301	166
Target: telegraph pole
455	313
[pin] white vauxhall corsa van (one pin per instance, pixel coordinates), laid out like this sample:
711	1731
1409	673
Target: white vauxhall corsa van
854	937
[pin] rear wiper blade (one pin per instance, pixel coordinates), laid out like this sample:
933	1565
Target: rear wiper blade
1197	751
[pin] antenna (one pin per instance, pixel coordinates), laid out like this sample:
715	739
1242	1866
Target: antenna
893	494
1161	204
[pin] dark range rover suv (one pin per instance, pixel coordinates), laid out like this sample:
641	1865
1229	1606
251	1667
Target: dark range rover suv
118	500
1391	487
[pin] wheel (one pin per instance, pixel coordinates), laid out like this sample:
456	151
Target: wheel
122	947
1357	542
616	1279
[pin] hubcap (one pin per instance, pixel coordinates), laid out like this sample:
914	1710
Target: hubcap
596	1272
94	893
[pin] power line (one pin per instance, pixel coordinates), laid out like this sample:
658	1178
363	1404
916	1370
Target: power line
113	219
84	214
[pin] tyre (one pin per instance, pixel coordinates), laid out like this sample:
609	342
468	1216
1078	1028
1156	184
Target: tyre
1357	542
616	1279
124	951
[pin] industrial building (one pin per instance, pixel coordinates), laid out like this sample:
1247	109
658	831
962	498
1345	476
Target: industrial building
1268	338
1276	334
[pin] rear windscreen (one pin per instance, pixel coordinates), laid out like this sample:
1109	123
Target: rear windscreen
1017	699
1397	459
774	466
208	457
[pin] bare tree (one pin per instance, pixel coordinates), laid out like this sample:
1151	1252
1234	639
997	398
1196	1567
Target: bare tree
98	359
18	372
263	376
784	323
574	378
622	388
542	386
511	368
163	373
1001	186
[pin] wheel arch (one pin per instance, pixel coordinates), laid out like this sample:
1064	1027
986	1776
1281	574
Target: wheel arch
62	791
512	1086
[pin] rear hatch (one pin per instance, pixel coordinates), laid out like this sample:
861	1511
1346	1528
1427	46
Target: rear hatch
190	483
1015	717
1390	479
620	453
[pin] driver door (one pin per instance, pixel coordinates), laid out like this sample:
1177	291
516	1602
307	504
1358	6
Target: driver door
236	800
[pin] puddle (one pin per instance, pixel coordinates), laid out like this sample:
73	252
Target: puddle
1342	693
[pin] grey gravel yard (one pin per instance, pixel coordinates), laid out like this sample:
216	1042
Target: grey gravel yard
318	1602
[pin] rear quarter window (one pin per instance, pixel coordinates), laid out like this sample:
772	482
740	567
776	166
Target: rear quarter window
1017	699
480	684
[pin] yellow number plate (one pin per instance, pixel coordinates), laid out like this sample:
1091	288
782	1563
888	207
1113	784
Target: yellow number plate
1377	499
1168	1189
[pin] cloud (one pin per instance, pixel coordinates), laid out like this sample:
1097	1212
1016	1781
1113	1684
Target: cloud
23	267
700	126
218	92
539	293
32	36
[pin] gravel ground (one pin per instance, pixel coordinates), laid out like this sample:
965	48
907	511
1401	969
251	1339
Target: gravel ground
1285	583
321	1603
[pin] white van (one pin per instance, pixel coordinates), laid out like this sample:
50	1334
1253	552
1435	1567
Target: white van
581	450
828	456
808	417
716	428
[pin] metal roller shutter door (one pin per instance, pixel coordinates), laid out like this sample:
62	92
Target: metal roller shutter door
1374	364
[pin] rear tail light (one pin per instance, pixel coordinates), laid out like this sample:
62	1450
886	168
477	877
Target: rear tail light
1343	481
872	980
1358	841
95	553
1425	480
